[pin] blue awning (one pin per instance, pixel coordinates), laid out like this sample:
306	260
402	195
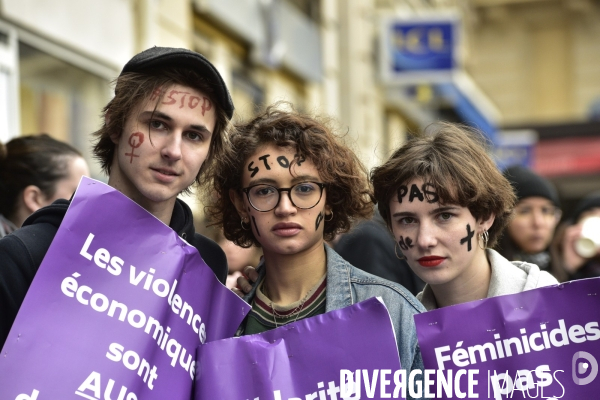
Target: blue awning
466	110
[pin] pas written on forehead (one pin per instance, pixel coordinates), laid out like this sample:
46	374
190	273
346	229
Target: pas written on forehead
425	191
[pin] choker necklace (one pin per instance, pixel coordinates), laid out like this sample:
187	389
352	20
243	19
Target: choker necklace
296	311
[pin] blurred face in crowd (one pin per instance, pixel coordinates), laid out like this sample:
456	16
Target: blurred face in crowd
439	241
533	225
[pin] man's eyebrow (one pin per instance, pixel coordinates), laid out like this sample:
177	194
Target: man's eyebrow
155	113
166	117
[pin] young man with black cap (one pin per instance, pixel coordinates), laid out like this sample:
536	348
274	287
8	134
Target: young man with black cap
161	132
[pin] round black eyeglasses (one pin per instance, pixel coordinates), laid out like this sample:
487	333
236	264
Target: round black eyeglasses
303	195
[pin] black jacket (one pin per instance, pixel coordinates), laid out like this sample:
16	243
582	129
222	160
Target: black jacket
22	252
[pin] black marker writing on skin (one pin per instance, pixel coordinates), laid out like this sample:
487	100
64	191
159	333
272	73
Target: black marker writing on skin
415	192
402	190
318	221
468	238
264	159
427	189
431	195
283	161
253	170
255	227
405	243
300	159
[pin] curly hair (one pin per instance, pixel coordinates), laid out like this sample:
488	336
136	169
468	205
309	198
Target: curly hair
348	192
453	158
133	88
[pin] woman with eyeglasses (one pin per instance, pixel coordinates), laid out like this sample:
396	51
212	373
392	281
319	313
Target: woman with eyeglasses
446	204
287	183
530	232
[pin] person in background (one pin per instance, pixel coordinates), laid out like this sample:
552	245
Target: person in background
35	170
238	258
370	247
537	212
570	258
287	184
446	203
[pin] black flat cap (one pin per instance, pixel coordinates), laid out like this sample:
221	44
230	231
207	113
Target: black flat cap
156	57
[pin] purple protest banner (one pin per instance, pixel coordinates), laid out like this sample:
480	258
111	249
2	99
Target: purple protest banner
542	343
116	310
302	360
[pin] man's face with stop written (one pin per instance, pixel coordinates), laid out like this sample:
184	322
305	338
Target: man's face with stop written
163	145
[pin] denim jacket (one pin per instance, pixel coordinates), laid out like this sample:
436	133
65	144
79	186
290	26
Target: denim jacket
347	285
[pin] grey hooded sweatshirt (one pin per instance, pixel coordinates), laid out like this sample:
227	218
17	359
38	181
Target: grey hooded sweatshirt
507	278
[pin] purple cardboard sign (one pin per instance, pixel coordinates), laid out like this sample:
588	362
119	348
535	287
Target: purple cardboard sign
116	310
301	360
542	343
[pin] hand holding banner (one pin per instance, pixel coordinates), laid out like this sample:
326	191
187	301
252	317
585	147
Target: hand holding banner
116	310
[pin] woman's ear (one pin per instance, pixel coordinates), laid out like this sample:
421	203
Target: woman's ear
486	224
328	211
33	198
238	202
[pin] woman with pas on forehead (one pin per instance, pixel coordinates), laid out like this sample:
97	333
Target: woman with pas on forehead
446	204
287	183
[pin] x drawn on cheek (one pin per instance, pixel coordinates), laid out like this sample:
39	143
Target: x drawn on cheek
318	221
135	140
468	238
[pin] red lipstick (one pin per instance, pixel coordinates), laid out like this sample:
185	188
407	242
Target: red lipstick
430	261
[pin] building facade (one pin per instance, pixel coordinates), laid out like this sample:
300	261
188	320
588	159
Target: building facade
520	65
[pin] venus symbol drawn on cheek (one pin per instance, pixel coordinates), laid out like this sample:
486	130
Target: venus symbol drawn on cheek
135	140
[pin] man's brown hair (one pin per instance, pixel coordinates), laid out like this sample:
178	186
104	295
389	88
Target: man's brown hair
454	160
347	188
134	88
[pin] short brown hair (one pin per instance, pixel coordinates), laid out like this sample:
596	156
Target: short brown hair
348	191
133	88
453	158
